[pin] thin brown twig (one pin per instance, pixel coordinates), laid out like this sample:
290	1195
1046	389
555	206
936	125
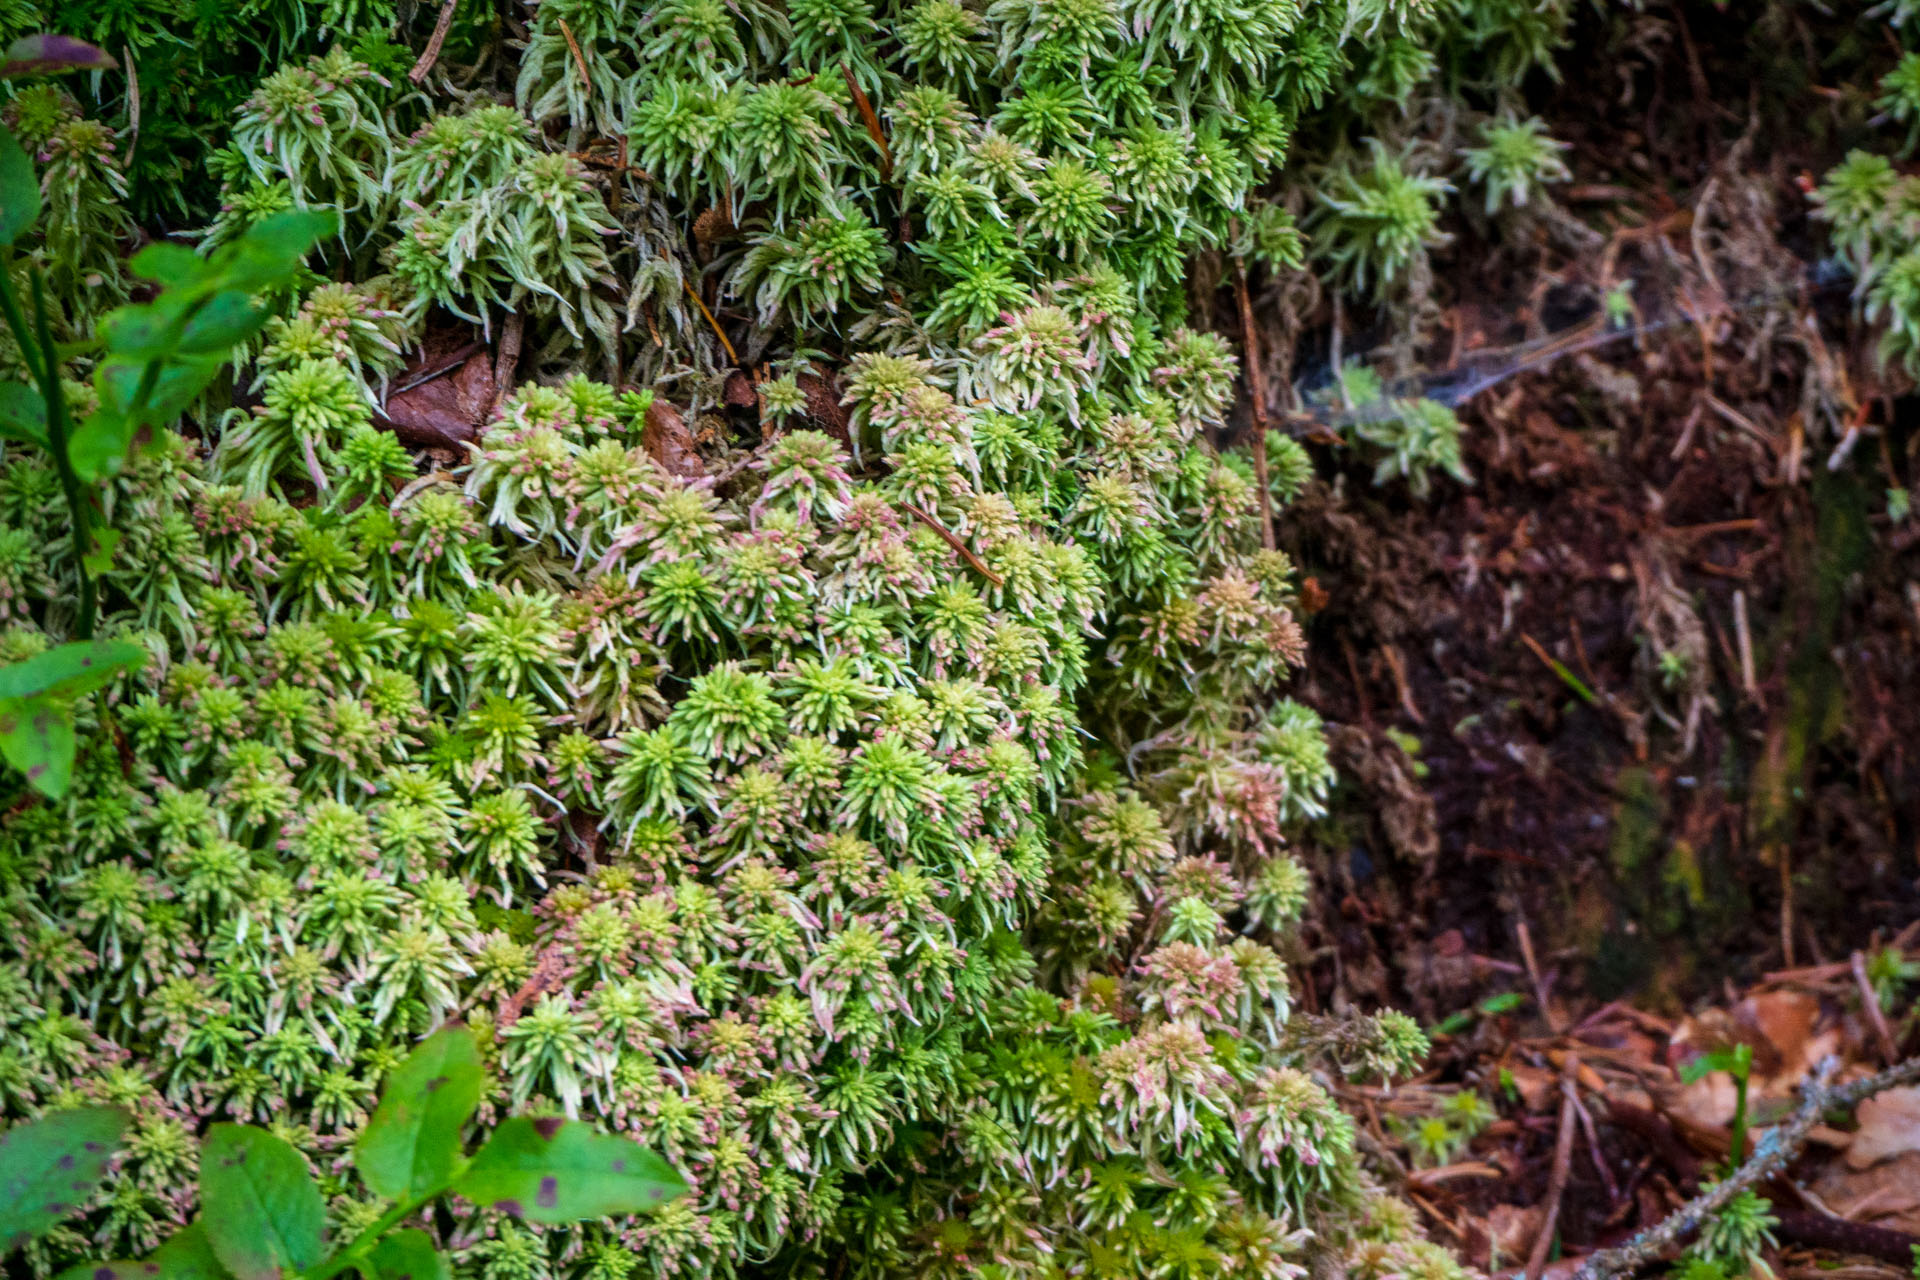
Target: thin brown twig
953	540
431	54
1562	1163
579	58
506	362
1257	398
718	332
864	106
1773	1153
1533	972
1871	1002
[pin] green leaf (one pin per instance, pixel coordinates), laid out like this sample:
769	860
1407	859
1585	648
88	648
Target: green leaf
70	670
23	414
50	54
267	256
187	1255
227	320
179	381
100	559
49	1166
412	1143
554	1170
172	265
19	190
138	331
120	1269
260	1210
98	446
406	1255
37	738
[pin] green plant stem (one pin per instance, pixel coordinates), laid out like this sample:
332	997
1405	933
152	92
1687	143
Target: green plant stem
37	351
58	434
365	1241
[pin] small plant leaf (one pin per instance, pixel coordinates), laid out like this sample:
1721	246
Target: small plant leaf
98	446
187	1255
19	190
228	319
261	1210
37	738
49	1166
407	1255
48	54
273	248
412	1143
553	1170
23	414
70	670
121	1269
105	543
172	265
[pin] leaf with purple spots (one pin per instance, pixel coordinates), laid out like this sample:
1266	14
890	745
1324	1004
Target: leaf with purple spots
261	1210
412	1143
407	1255
50	1167
50	55
187	1255
554	1170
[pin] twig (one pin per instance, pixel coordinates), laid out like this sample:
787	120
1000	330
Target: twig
579	58
1533	972
864	106
1562	1162
718	332
1872	1004
1772	1154
507	360
431	54
953	540
1257	396
1745	637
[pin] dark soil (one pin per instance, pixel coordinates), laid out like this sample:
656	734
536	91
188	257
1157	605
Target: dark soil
1514	756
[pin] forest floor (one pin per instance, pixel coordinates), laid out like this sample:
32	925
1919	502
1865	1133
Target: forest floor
1629	728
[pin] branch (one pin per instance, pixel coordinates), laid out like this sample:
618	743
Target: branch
1772	1155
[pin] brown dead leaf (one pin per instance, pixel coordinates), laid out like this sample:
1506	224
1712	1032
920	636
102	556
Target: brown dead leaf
442	398
1511	1229
1534	1084
668	442
1889	1127
1885	1194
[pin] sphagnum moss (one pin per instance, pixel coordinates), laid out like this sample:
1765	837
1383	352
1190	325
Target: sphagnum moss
886	824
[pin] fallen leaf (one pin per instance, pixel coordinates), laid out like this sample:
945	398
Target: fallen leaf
443	397
1889	1126
668	442
1511	1229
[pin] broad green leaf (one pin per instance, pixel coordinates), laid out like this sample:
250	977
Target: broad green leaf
179	381
260	1209
406	1255
37	738
227	319
120	1269
105	543
70	670
273	248
19	190
188	1256
50	54
23	414
554	1170
49	1166
412	1143
98	445
172	265
139	331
